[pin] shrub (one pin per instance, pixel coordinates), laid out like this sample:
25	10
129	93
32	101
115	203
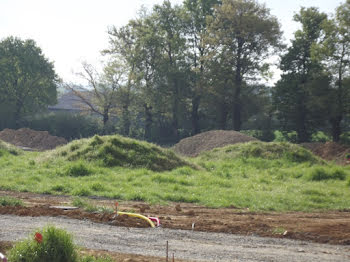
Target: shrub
320	136
56	246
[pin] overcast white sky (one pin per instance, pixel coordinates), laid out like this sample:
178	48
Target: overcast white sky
72	31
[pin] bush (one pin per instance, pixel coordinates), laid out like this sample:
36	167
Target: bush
68	125
56	246
320	136
285	137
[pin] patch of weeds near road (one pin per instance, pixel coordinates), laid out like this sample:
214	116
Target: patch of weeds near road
10	201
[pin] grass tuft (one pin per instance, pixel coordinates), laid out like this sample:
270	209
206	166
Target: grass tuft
323	173
10	201
6	148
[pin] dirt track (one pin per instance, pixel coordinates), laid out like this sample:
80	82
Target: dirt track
331	227
185	244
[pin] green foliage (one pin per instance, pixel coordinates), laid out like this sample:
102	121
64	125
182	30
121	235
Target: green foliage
77	169
68	125
6	148
82	203
10	201
115	150
56	246
28	81
320	136
95	259
323	173
274	150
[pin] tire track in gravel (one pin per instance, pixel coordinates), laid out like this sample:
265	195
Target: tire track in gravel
200	246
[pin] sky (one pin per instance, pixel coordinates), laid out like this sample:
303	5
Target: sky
70	32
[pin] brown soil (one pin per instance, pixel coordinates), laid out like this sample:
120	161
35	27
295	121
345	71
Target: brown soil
330	151
28	138
193	146
331	227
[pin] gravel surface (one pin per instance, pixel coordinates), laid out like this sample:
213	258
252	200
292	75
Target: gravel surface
189	245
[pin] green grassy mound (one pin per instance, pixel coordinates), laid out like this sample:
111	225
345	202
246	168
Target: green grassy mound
271	151
6	148
112	151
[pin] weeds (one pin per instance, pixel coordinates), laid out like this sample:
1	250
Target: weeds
51	244
10	201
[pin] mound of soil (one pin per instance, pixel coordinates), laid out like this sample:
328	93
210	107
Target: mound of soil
116	150
28	138
330	151
193	146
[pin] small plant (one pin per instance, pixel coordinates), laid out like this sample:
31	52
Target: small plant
52	244
77	170
10	201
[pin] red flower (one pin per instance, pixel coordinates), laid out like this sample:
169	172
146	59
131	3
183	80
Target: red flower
38	237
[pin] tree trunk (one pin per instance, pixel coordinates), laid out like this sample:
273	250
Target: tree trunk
148	122
303	135
105	120
237	122
336	127
126	120
223	117
194	115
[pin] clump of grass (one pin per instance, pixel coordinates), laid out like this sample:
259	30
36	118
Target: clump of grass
324	173
56	246
82	203
96	259
6	148
78	169
10	201
111	151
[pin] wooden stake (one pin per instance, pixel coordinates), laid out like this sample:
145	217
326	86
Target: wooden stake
167	251
173	257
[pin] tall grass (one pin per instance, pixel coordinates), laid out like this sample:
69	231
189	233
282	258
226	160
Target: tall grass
255	175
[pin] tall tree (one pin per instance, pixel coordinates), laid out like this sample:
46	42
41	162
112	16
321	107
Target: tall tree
28	81
334	53
195	17
297	94
100	95
246	33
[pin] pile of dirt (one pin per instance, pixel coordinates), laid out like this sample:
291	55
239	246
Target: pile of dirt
28	138
193	146
330	151
116	150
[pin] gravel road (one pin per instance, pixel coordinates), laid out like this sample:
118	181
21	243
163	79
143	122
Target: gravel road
198	246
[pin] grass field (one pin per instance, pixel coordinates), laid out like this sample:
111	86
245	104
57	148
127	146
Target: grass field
256	175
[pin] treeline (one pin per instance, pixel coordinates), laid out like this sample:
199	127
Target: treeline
175	71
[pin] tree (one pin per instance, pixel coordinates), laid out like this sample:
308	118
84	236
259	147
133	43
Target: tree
195	17
101	94
334	54
28	81
241	35
298	95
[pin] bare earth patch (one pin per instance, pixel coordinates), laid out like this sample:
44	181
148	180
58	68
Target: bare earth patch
332	227
194	145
